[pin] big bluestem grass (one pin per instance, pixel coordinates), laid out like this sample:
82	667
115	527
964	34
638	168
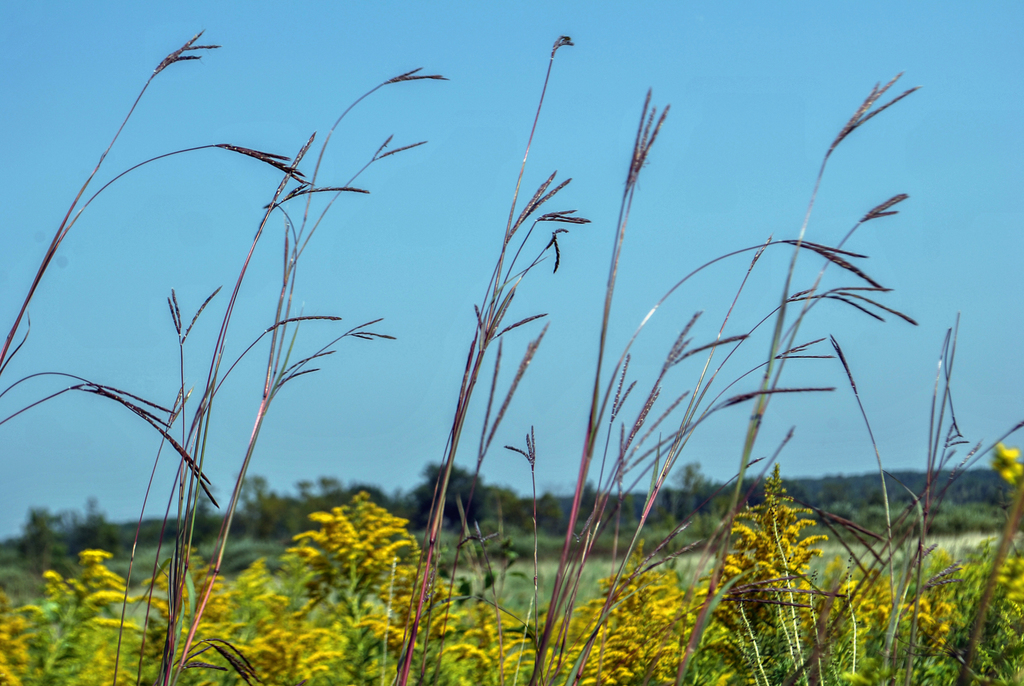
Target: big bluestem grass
634	458
185	424
629	440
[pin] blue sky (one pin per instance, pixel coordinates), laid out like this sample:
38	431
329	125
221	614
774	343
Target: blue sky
757	95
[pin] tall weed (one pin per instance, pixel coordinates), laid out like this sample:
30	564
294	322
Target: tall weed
359	600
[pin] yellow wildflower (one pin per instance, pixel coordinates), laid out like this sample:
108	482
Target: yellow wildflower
1006	461
1011	575
13	643
774	554
77	626
642	636
353	551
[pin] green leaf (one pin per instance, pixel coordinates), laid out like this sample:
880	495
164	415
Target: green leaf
707	616
654	476
163	566
190	586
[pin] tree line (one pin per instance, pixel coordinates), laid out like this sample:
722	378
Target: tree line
974	501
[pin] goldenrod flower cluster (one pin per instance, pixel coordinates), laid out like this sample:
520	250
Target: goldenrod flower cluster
72	636
768	627
1006	461
1011	576
335	609
14	655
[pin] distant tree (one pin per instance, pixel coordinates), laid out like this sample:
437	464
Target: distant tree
377	497
305	489
331	493
506	506
328	493
41	545
550	517
208	520
262	510
323	496
875	497
91	531
834	491
691	490
459	486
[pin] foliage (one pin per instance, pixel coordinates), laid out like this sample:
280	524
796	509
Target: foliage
975	502
337	604
770	561
642	629
72	635
354	554
1006	461
14	656
40	545
357	601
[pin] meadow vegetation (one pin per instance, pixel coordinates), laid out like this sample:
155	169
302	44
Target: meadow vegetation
266	522
646	573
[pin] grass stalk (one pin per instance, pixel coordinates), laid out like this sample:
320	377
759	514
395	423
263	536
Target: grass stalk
489	318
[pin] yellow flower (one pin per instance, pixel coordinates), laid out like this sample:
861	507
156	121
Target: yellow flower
14	638
353	552
1006	462
1011	575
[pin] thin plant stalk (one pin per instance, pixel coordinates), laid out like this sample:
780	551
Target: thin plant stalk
490	315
